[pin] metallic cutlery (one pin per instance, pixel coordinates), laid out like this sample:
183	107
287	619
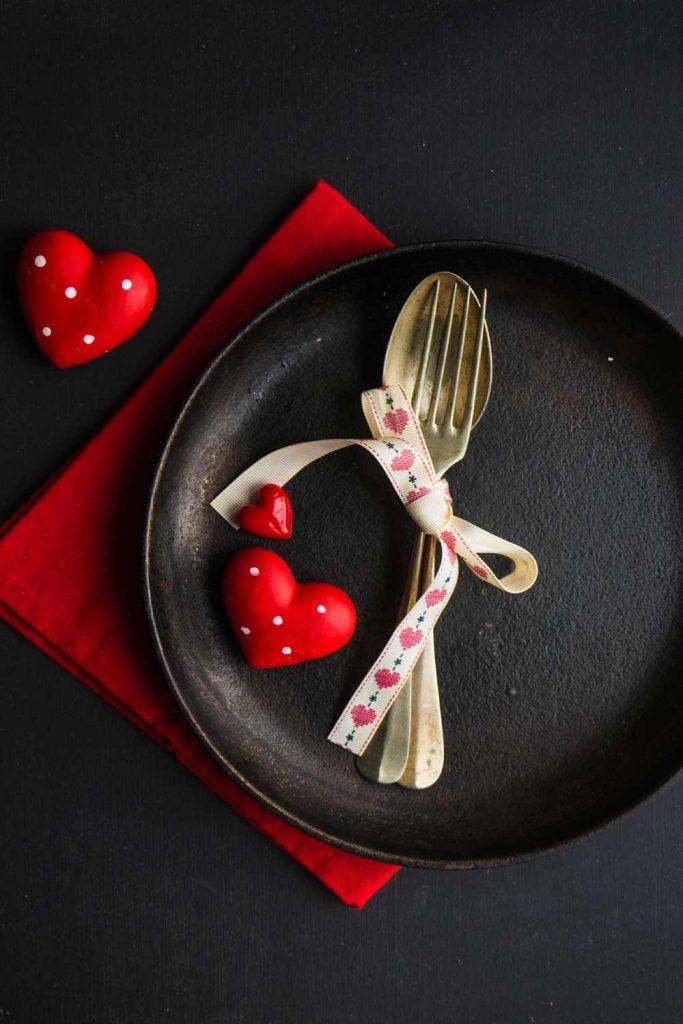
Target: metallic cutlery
440	352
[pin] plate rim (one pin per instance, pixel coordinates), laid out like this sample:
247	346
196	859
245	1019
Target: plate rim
404	860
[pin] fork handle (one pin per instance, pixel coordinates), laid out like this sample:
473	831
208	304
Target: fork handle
426	747
386	756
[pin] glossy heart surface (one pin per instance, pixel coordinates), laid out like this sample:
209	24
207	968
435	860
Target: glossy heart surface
278	621
80	304
272	517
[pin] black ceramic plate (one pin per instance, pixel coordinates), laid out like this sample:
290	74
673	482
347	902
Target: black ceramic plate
562	707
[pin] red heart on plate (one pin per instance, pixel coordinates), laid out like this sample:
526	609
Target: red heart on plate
278	621
80	304
272	517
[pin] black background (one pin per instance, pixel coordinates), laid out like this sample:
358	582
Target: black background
185	133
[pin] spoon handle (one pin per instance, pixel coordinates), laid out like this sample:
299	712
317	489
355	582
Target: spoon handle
426	746
386	757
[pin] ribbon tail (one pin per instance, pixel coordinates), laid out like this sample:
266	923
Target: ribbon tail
276	468
366	710
364	713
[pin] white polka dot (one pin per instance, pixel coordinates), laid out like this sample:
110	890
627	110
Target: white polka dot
70	292
47	331
321	608
126	284
286	650
278	620
245	630
40	260
254	571
88	338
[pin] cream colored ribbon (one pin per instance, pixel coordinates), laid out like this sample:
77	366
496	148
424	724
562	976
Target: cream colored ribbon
400	449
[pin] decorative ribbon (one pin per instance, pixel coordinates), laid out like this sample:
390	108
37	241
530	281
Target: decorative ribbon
400	449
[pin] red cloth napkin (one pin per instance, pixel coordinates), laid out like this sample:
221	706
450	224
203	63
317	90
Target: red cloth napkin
70	565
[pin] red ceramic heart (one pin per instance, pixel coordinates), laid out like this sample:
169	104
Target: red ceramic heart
272	517
80	304
278	621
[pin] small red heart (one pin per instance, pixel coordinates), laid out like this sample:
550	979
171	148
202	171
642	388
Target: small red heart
384	678
272	517
435	597
80	304
278	621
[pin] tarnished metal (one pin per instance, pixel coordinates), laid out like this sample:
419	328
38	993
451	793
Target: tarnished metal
440	352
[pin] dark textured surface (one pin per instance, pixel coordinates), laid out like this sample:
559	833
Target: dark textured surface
129	891
561	708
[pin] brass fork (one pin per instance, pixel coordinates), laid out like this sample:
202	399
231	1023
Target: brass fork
448	385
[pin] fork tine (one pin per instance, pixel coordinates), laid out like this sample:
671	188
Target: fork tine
419	386
443	353
449	421
474	373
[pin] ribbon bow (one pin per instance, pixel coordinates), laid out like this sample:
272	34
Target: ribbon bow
400	449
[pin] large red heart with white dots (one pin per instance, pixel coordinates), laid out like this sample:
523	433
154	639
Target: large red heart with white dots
80	304
278	621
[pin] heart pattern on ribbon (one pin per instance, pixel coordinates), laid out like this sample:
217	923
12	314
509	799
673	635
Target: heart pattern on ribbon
409	637
362	716
384	678
396	421
404	460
